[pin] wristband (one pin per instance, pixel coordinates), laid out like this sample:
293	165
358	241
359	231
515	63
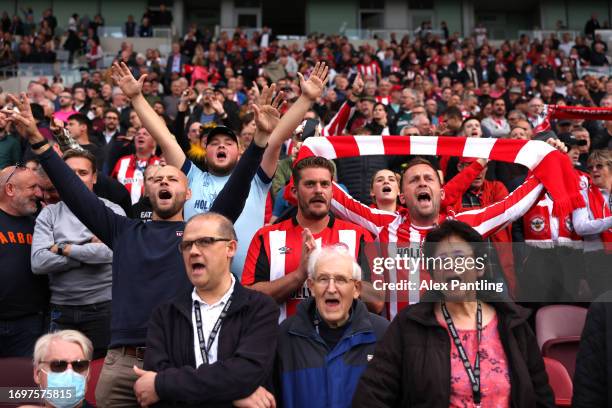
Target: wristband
38	145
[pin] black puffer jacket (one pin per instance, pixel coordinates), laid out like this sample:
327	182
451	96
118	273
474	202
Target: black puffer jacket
411	364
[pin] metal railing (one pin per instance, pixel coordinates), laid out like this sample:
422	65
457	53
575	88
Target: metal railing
545	34
595	71
69	72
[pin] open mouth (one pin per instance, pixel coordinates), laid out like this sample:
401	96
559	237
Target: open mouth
386	189
221	155
198	267
164	195
332	302
424	197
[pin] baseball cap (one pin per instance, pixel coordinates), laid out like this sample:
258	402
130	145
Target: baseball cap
220	130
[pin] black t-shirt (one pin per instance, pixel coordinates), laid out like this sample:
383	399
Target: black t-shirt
21	293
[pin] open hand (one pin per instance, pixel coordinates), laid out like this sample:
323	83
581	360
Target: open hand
358	85
125	80
22	118
313	88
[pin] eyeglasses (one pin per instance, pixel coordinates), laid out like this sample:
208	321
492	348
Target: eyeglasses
17	166
59	366
200	243
340	281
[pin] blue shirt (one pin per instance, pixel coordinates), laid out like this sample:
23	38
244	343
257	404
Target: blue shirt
204	190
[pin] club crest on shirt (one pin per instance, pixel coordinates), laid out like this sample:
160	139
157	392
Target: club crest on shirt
284	250
537	224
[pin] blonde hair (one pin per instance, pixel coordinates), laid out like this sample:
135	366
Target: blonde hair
71	336
601	155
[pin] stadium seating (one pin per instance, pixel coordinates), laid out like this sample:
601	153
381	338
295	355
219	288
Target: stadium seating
559	381
16	372
558	330
94	374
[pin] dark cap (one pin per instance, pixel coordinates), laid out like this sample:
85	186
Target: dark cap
368	99
220	130
570	140
564	122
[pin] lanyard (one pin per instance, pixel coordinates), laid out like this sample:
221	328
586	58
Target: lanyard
205	348
473	373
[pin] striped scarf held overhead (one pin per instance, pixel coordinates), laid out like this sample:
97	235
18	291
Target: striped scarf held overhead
550	166
558	112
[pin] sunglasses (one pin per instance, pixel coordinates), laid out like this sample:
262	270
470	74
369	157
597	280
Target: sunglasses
200	243
17	166
59	366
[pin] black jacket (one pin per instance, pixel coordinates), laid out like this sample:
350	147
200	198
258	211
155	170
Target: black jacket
593	375
247	346
411	364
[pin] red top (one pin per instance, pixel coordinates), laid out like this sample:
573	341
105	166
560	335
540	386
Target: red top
494	373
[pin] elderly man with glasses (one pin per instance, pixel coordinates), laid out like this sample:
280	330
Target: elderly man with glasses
214	344
23	296
324	348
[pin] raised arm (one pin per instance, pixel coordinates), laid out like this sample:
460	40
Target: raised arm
282	131
156	126
496	216
347	208
90	210
458	185
338	123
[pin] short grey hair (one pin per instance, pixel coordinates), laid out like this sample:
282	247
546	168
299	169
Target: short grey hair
332	251
70	336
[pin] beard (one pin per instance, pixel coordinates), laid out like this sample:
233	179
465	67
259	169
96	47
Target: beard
168	212
312	215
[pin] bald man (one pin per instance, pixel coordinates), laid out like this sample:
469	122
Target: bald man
147	267
23	296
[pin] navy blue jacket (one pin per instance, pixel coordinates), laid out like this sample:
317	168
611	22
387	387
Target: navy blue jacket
147	266
308	373
245	355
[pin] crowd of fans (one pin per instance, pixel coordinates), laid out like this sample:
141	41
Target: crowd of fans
208	231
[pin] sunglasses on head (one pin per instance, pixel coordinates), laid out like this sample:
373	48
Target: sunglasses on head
59	366
17	166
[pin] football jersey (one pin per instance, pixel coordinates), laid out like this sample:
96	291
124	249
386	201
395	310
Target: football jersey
275	251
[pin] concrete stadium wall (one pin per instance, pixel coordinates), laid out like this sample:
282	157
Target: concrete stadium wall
325	16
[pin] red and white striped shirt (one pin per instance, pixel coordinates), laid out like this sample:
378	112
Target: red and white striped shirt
397	230
370	70
130	172
275	251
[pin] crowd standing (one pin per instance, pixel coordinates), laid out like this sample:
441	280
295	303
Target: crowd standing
155	214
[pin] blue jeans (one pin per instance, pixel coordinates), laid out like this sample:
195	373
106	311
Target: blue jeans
18	336
91	320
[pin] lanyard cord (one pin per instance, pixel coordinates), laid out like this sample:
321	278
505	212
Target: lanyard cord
473	373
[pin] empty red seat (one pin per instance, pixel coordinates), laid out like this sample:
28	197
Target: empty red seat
16	372
559	381
558	330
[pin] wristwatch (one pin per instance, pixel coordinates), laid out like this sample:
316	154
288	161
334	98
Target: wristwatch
60	248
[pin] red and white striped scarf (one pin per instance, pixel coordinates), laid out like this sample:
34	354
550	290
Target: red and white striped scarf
542	122
550	166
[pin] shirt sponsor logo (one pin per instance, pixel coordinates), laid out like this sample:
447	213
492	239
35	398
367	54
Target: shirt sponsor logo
284	250
10	237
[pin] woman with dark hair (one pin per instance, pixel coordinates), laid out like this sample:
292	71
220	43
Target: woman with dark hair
380	123
461	346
